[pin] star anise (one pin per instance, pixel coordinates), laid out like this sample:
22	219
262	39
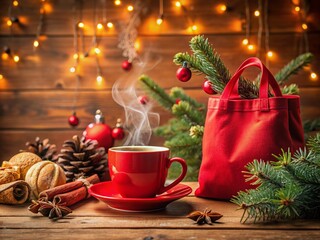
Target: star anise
53	209
206	217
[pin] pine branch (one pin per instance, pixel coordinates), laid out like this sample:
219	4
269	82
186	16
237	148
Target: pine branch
311	125
293	67
189	113
290	186
291	89
156	92
178	93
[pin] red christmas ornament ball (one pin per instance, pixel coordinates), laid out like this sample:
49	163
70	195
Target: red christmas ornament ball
178	100
143	99
73	120
118	133
126	65
100	132
184	73
207	87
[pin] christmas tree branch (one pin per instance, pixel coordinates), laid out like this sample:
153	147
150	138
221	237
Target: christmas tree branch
186	111
293	67
178	93
156	92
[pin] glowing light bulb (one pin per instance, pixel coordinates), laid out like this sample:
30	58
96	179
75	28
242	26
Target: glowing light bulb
99	79
257	13
245	41
9	22
75	56
97	50
304	26
223	7
297	9
36	43
313	76
194	27
251	47
4	56
16	58
15	3
117	2
72	69
99	26
110	25
270	54
81	25
137	45
1	77
159	21
178	4
130	8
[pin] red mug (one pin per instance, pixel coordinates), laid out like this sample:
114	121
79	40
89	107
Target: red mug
141	171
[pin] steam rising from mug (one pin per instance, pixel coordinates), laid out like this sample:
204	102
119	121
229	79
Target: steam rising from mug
139	119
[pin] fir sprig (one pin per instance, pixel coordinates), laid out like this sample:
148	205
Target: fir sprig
288	187
293	67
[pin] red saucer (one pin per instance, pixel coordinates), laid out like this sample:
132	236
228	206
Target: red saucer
107	193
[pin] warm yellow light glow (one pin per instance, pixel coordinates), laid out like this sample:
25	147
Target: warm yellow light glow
270	54
117	2
16	58
137	44
9	22
15	3
81	25
297	8
130	8
4	56
72	69
304	26
99	26
245	41
257	13
222	7
251	47
99	79
97	50
36	43
1	77
110	25
178	4
313	76
75	56
47	7
159	21
194	27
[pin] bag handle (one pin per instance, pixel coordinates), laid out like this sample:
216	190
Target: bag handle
266	79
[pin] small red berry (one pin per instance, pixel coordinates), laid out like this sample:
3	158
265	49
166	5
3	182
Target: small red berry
143	99
207	87
178	100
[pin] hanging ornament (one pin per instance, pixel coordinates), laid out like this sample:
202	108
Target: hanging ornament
118	132
99	131
184	73
207	87
178	100
73	120
143	99
126	65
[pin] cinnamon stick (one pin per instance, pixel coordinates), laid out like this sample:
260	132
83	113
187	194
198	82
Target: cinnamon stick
70	193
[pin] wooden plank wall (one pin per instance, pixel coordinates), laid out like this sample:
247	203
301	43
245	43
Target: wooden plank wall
37	93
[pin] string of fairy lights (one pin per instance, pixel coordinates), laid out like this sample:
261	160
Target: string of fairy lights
260	14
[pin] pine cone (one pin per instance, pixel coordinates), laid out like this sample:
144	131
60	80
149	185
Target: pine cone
82	158
43	149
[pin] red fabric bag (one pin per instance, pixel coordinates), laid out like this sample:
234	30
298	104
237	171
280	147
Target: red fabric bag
238	130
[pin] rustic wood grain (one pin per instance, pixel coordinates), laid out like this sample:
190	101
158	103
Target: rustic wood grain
48	67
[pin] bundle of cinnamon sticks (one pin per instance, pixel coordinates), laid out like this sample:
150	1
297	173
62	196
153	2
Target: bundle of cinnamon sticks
54	202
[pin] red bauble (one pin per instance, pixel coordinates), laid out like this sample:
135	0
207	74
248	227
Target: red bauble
184	73
126	65
143	99
73	120
118	133
207	87
178	100
99	131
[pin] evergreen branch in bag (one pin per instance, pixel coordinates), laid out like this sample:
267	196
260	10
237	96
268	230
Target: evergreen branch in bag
288	188
293	67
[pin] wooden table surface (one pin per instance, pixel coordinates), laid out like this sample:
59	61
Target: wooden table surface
92	219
